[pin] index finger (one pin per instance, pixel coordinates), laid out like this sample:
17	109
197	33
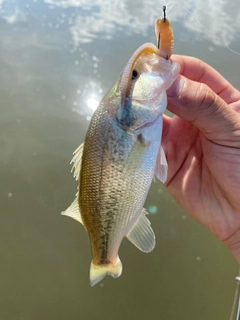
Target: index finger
199	71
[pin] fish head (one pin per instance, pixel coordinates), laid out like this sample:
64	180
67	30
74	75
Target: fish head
142	86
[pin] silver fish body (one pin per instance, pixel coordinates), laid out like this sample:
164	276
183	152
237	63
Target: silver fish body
120	156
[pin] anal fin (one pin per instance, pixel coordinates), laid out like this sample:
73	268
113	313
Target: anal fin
142	235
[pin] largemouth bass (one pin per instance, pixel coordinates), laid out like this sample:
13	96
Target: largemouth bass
120	156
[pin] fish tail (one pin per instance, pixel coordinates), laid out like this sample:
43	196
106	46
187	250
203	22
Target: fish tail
98	272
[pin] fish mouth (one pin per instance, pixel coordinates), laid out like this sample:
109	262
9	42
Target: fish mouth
126	78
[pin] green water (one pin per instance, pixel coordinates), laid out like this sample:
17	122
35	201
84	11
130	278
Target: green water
57	59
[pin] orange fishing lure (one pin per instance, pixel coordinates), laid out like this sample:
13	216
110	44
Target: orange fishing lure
164	35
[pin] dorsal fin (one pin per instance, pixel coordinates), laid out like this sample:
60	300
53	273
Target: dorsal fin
77	161
73	211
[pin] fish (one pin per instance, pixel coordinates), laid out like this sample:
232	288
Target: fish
120	157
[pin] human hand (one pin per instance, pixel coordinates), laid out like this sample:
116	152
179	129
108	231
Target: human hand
202	146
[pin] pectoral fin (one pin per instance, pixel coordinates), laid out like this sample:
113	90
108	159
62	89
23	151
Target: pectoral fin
77	161
161	167
142	235
73	211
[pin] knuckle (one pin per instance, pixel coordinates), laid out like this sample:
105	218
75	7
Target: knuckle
205	98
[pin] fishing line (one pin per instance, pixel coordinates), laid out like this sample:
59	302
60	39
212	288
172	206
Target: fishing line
235	313
170	5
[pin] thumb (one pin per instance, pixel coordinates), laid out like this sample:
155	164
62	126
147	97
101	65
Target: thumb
197	103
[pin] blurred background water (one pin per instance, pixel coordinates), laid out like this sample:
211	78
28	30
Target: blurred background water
57	59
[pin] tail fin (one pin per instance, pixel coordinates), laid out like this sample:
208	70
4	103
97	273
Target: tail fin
98	272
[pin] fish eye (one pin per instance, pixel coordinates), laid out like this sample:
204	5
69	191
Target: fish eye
134	74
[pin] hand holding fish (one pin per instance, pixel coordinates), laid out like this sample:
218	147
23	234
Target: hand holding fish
202	145
122	153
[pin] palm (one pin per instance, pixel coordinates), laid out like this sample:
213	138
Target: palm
204	165
199	177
